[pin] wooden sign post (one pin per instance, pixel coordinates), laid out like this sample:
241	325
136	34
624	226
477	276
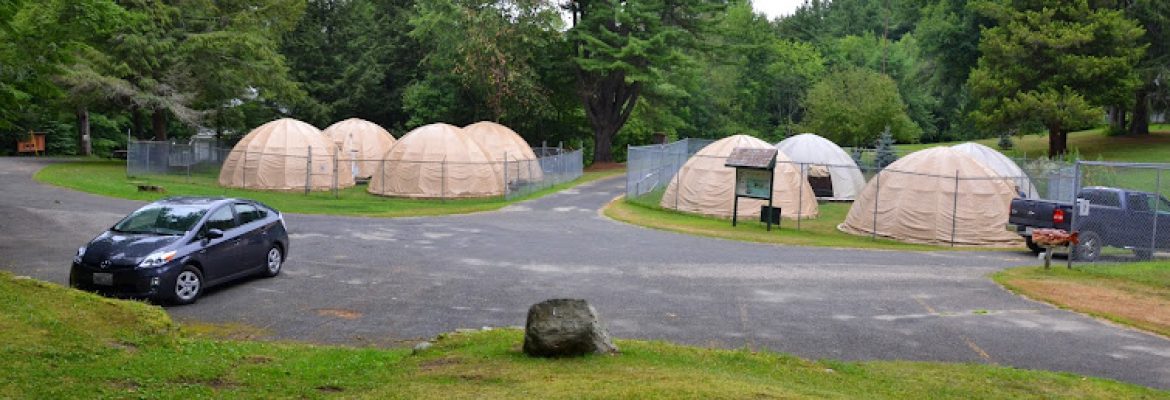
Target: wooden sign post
754	179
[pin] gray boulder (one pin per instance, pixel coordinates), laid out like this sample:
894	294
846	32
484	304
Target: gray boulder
565	328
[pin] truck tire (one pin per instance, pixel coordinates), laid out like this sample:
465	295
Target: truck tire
1088	247
1143	254
1035	248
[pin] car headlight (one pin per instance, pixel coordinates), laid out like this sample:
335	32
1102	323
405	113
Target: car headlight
80	253
157	259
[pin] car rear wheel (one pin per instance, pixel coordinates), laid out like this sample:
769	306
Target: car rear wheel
188	286
1035	248
274	262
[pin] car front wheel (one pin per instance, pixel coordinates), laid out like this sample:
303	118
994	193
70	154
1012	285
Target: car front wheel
188	286
274	262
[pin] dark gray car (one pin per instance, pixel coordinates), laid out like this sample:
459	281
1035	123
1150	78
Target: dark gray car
173	249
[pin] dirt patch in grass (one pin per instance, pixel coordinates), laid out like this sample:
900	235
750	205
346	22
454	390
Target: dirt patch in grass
330	389
217	383
258	359
1117	301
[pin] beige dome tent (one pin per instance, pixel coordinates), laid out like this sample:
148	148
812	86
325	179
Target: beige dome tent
917	201
437	161
826	164
499	141
705	186
276	156
1002	165
361	145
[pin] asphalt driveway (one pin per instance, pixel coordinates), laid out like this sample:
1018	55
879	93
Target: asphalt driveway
390	281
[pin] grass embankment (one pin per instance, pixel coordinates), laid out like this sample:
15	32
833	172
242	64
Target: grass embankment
1092	144
108	178
61	343
1136	294
822	231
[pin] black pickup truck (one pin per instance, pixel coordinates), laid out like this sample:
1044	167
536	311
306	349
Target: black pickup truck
1113	217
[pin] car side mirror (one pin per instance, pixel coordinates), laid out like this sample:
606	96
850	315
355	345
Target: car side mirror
213	234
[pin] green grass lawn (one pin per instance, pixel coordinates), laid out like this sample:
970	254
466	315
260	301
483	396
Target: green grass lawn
1091	144
1135	294
108	178
821	231
62	344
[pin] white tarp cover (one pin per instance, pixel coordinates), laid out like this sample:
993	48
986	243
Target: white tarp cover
917	199
500	141
276	156
822	154
437	161
361	145
705	186
1001	164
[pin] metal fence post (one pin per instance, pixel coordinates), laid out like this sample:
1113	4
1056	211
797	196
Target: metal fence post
1157	203
1072	222
443	185
877	192
678	175
244	169
506	175
382	174
336	154
955	209
309	170
800	195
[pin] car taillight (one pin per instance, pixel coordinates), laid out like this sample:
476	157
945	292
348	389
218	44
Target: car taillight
1058	216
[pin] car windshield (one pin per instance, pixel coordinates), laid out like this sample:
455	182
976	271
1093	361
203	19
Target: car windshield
161	219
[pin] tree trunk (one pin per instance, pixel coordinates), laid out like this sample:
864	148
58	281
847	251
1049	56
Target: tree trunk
1141	113
609	102
84	144
1117	118
136	122
603	144
158	123
1057	142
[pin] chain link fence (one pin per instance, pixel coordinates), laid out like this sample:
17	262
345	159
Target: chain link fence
1123	213
961	206
204	161
650	168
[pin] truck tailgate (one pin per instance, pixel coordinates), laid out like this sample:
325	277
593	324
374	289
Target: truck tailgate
1038	213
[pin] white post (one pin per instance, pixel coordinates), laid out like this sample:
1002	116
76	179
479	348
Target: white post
877	191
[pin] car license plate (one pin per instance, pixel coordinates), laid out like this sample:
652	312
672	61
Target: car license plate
103	278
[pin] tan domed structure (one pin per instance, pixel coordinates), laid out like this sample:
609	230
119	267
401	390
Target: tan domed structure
917	200
361	145
705	186
1001	164
437	161
285	154
500	142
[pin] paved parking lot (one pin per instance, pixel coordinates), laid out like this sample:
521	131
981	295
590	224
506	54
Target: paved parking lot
389	281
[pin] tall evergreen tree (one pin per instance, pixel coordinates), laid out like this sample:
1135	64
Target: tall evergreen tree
1052	61
621	50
